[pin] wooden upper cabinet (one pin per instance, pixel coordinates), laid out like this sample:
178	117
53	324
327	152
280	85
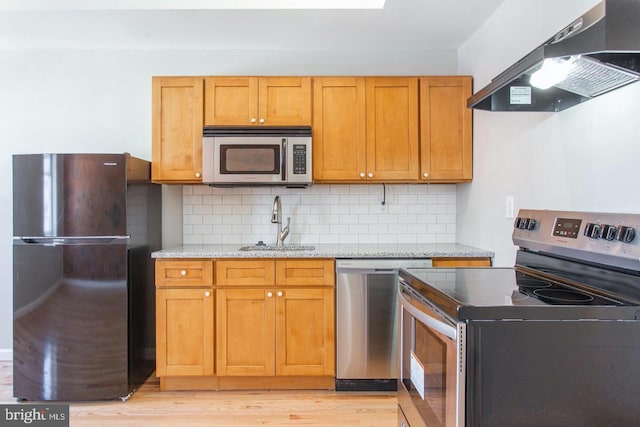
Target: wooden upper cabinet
339	129
231	100
365	129
445	129
177	117
246	101
392	128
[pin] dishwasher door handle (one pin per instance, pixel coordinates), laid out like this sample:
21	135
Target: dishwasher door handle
365	271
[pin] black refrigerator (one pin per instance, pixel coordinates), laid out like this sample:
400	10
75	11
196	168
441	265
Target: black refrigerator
84	227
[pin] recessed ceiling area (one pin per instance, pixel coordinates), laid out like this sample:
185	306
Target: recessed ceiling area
187	4
400	24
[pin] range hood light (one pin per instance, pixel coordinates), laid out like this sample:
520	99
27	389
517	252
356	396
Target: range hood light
552	72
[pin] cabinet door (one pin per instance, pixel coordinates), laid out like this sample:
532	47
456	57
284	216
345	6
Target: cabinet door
245	332
184	332
231	101
392	128
177	110
284	101
445	129
305	332
339	136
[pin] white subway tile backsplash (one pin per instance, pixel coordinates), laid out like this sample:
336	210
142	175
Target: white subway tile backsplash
322	214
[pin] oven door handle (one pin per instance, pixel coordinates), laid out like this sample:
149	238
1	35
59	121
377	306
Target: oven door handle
429	321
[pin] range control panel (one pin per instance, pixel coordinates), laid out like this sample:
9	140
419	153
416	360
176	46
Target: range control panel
606	238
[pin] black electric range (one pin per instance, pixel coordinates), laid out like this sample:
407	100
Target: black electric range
553	340
602	281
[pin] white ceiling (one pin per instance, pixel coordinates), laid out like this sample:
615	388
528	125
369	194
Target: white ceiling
402	24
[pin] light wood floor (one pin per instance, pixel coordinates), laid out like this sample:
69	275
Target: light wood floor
150	407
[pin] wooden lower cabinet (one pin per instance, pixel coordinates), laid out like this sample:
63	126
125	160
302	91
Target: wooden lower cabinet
278	330
270	326
461	262
245	332
305	332
184	332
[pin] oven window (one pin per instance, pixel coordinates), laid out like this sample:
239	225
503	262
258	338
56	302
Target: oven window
250	159
429	372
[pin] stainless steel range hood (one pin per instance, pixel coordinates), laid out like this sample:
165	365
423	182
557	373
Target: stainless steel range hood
600	50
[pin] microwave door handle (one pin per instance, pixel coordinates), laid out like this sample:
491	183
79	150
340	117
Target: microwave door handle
284	160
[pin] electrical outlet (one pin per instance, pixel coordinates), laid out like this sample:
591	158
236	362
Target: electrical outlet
508	207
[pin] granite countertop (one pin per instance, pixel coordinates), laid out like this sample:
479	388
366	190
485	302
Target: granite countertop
426	250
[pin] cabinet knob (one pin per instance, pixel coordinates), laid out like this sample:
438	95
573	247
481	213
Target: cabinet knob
425	174
198	175
361	174
261	121
253	120
269	294
279	293
370	175
183	273
207	294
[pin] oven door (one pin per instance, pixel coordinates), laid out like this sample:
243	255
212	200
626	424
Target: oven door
232	160
431	383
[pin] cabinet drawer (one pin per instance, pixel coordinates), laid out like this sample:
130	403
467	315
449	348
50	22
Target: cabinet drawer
461	262
184	273
245	273
305	272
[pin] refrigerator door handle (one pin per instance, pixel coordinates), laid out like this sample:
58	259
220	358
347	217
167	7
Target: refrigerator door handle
59	241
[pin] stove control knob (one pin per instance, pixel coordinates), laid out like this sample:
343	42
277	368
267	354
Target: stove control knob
530	224
626	234
609	232
593	230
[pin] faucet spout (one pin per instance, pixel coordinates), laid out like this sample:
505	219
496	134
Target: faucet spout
276	218
276	213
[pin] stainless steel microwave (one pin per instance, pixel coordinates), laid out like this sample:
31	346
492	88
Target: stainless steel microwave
257	155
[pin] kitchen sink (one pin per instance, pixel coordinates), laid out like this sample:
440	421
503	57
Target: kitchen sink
264	247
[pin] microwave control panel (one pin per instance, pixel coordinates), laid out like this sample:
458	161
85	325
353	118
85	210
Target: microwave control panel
299	159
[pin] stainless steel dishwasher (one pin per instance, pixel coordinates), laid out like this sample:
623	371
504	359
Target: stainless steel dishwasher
366	322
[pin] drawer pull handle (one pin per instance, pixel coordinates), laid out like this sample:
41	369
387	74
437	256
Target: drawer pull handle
279	293
269	294
183	273
207	293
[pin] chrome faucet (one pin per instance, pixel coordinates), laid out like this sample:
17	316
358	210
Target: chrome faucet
276	218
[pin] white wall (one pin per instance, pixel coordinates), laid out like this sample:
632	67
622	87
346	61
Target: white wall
584	158
100	101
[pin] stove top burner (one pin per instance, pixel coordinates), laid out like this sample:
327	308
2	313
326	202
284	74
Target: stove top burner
532	283
562	296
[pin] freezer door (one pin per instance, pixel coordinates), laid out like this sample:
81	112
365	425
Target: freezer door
70	321
69	195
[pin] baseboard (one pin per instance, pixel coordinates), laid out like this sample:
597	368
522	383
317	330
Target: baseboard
6	354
